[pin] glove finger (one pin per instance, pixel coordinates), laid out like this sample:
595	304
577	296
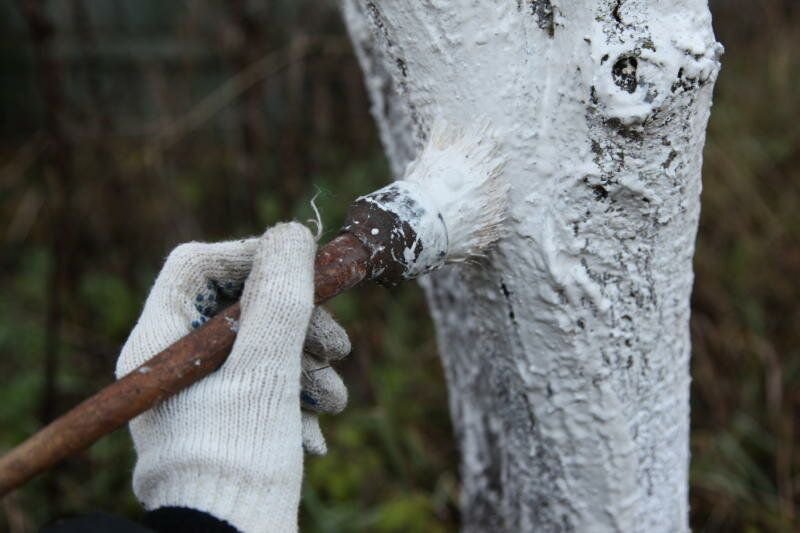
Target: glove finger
278	296
321	388
326	339
197	276
189	289
313	439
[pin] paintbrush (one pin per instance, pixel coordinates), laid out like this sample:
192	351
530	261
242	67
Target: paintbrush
449	207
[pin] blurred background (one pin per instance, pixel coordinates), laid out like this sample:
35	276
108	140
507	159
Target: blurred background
127	127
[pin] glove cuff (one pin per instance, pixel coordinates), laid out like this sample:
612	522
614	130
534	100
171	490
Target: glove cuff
248	475
246	508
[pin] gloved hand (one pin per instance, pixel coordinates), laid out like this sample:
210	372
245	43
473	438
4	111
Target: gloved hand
230	445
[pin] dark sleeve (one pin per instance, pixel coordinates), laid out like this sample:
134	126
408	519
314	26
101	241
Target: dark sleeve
185	520
165	519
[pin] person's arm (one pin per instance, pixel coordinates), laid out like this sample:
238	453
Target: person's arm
163	520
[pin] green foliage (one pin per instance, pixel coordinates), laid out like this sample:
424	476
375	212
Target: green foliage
392	464
112	304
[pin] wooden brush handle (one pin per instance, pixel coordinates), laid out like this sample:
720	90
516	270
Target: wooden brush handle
339	265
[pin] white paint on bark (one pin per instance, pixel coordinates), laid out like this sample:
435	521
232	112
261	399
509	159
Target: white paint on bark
567	351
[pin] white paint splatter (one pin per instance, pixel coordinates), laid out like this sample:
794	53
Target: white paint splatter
233	325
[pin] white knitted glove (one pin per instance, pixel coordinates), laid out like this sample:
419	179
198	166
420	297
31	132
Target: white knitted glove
230	445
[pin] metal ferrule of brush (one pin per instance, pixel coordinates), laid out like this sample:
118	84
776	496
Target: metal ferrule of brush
403	230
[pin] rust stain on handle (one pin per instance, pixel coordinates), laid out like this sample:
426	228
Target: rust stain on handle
339	265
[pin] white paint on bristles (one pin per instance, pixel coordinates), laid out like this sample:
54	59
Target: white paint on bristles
453	196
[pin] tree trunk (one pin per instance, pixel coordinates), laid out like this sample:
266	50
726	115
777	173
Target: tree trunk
567	350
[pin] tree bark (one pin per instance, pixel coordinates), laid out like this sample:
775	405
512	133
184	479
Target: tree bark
567	351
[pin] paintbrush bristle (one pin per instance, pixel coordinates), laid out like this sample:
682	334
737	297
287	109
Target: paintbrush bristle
449	207
461	172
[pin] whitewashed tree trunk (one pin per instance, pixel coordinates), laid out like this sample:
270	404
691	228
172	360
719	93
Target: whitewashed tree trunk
567	351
